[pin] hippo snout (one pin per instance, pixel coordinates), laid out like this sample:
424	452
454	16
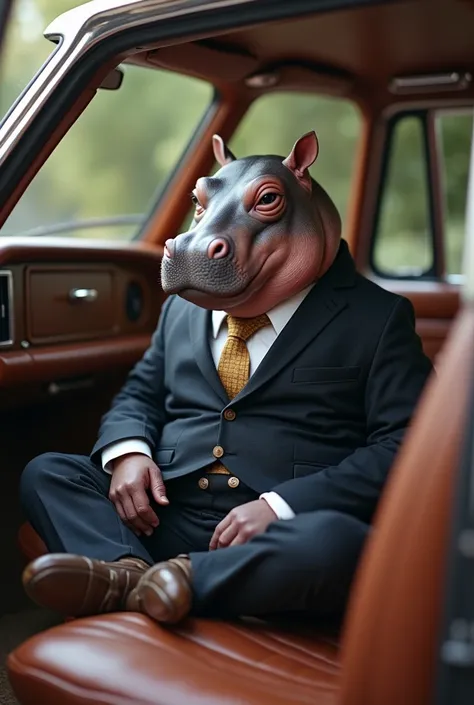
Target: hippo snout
199	262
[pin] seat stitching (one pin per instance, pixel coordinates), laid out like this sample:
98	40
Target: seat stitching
295	647
254	673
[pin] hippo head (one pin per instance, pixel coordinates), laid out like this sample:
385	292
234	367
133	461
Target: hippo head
263	230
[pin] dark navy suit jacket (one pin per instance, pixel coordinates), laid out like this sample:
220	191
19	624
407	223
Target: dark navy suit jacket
320	420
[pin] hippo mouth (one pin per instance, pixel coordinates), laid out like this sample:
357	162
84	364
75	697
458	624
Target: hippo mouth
206	282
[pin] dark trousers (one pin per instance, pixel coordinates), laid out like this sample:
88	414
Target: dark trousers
305	564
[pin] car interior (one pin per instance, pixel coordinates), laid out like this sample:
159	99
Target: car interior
80	297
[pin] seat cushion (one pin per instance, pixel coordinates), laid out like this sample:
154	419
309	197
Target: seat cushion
31	546
125	658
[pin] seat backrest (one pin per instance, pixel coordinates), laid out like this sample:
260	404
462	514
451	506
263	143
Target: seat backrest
392	629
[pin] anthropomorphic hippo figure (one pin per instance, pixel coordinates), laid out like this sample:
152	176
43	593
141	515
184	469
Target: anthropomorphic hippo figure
239	467
263	230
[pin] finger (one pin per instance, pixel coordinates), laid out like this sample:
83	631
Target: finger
222	526
142	505
238	540
228	536
157	486
136	523
144	511
121	512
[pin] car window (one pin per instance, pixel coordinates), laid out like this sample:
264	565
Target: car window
275	121
403	241
403	244
103	177
454	133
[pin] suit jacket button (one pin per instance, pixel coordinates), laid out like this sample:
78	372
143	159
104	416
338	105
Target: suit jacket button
233	482
229	414
218	451
203	483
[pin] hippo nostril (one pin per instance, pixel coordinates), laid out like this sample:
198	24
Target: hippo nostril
169	248
218	249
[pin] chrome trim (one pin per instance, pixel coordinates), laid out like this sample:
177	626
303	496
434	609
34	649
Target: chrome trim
80	29
83	295
453	81
9	275
74	385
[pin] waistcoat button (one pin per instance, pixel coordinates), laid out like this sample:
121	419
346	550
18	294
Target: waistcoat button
229	414
218	451
233	482
203	483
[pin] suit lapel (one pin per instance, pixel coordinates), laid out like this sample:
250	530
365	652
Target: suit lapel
200	329
312	317
320	307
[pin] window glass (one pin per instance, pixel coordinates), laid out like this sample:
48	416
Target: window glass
104	175
455	134
403	244
275	121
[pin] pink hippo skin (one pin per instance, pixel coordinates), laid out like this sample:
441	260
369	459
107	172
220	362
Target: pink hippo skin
263	230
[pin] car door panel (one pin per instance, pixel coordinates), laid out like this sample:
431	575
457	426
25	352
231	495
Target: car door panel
67	356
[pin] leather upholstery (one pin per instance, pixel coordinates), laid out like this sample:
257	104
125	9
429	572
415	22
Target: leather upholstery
126	659
391	634
30	544
389	645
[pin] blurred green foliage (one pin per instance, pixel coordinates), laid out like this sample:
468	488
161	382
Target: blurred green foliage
121	150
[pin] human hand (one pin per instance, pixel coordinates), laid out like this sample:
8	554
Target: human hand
242	523
132	475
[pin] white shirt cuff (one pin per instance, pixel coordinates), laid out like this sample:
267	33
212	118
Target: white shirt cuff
281	508
116	450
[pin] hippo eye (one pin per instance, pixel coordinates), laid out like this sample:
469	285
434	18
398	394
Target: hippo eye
270	202
199	210
267	199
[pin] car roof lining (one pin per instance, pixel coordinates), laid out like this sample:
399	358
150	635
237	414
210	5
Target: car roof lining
345	51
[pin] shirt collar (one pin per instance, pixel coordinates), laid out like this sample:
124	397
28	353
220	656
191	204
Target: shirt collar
279	315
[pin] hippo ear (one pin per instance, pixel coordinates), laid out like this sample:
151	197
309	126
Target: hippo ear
222	152
303	154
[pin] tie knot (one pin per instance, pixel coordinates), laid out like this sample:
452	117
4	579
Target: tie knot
244	328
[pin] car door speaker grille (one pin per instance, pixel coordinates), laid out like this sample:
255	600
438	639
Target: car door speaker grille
134	302
6	308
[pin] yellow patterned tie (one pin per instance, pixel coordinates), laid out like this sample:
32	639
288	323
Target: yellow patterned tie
234	363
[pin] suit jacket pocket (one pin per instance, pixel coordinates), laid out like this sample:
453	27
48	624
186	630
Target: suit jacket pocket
164	456
303	469
321	375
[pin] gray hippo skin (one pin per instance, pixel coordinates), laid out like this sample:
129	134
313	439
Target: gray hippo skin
263	230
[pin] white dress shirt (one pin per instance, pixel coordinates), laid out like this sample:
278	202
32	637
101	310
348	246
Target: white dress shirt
258	346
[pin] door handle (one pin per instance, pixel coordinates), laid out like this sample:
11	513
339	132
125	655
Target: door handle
55	388
87	295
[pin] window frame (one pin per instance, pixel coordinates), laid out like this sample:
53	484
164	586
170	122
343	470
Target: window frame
433	273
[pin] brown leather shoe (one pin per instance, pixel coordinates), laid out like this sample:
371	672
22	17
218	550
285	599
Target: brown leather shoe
76	586
164	592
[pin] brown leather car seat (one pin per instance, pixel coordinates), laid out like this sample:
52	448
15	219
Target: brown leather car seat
390	637
30	544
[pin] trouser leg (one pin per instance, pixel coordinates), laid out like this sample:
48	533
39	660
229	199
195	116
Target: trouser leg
65	498
306	564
